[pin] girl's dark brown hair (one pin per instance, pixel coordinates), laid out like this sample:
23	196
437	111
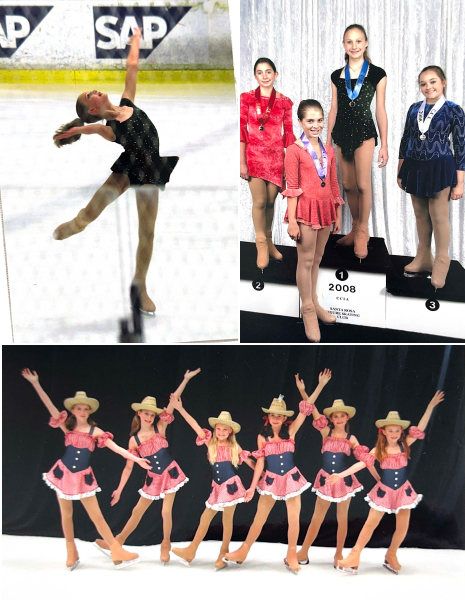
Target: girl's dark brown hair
83	117
439	72
264	60
71	422
362	29
135	425
305	104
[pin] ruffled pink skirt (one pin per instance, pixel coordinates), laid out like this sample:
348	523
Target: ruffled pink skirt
227	494
337	492
71	486
168	482
316	213
386	499
282	487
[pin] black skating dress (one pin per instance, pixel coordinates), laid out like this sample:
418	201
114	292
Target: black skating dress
141	160
354	124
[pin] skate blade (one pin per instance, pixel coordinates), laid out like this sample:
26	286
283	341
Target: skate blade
182	560
303	562
289	568
102	550
127	563
225	566
417	274
389	568
75	566
348	570
147	313
231	562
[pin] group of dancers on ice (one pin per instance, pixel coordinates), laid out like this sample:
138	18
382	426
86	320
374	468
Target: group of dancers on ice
276	478
428	170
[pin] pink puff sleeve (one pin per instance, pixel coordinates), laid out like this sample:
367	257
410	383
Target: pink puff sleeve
58	422
416	433
362	453
166	417
259	453
103	438
243	456
208	436
134	453
244	119
306	408
288	137
320	423
291	167
336	192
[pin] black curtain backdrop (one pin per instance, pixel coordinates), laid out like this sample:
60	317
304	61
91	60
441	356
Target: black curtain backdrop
374	379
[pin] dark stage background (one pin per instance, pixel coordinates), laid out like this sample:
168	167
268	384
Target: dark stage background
374	379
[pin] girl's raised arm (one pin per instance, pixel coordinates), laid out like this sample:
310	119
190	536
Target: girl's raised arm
323	379
319	421
418	432
177	403
33	379
132	66
163	424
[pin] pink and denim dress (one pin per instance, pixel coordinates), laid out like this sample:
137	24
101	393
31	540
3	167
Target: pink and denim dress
166	476
227	488
394	492
72	477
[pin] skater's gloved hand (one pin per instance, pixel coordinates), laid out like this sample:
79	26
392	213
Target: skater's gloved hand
334	478
31	376
249	495
115	497
144	463
457	192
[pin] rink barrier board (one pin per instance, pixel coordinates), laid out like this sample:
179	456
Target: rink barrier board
39	76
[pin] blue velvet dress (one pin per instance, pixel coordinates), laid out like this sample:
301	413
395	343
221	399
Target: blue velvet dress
429	165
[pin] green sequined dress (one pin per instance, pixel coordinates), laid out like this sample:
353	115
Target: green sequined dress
354	124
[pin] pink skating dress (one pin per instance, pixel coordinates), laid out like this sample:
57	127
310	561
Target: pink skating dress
227	488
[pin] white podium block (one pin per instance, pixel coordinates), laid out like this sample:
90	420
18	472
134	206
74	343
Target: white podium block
273	299
359	299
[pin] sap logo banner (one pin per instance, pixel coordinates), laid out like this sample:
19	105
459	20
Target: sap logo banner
16	24
114	26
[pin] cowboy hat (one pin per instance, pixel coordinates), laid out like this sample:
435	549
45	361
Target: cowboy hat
81	398
224	418
148	403
278	407
393	418
339	406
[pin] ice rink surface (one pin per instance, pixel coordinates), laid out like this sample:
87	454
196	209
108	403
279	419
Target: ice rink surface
76	290
33	567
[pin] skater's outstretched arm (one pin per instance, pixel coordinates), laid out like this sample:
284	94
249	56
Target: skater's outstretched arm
436	399
33	379
103	130
258	470
355	444
177	403
132	66
109	443
162	425
323	379
312	399
367	460
248	460
125	474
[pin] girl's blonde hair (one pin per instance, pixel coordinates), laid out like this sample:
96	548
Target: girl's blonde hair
362	29
381	445
83	117
232	445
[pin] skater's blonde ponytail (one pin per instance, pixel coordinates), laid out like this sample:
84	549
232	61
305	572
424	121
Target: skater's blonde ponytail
232	445
83	117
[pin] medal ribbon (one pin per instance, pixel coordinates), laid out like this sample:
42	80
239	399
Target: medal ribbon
266	115
423	124
358	86
320	169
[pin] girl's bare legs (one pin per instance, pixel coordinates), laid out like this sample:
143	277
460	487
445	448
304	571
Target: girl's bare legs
259	193
113	187
423	260
321	239
228	518
167	516
265	504
349	183
66	509
363	157
188	554
319	514
271	191
402	523
147	209
306	247
342	519
372	522
293	514
439	213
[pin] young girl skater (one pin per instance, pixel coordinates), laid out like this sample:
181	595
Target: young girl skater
139	166
313	205
338	443
394	493
264	114
72	478
430	173
276	475
166	476
224	455
351	126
